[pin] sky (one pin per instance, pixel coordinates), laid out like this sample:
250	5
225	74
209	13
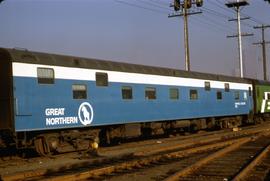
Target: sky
138	32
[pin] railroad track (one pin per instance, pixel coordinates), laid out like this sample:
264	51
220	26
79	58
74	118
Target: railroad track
165	159
122	165
234	162
183	158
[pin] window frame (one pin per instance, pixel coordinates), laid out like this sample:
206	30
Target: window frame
74	94
171	95
245	95
127	88
193	92
266	96
237	95
150	90
45	80
249	91
219	95
207	86
227	87
102	79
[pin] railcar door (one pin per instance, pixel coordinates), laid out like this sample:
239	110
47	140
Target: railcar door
6	95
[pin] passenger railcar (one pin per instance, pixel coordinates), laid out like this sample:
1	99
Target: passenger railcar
59	103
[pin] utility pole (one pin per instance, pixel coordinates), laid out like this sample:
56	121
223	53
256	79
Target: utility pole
184	6
236	5
187	64
263	43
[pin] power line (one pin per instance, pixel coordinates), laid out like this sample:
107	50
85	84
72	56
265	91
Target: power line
161	6
255	20
216	13
222	7
209	25
140	7
153	4
219	24
222	2
159	2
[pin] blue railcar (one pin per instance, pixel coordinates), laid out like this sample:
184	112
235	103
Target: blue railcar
50	100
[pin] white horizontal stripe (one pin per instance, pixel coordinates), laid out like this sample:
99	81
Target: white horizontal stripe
30	70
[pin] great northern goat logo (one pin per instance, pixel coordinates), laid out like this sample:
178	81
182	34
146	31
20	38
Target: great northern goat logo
85	113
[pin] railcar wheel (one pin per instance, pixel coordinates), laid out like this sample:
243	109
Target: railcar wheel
104	137
93	147
42	147
258	120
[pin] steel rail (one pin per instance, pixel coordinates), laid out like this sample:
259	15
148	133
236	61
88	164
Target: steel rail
258	159
207	159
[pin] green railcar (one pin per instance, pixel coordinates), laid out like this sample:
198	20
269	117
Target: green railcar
262	97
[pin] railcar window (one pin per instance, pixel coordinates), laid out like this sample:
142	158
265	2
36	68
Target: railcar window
127	92
236	95
79	91
45	75
268	96
193	94
245	95
150	93
227	87
265	96
174	93
249	91
101	79
219	95
207	86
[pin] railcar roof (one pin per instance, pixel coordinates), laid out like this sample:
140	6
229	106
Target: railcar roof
25	56
261	82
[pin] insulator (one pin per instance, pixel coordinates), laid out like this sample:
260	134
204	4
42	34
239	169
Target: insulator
199	3
187	4
176	5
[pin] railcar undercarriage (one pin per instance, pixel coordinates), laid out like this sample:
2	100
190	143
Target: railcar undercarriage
61	141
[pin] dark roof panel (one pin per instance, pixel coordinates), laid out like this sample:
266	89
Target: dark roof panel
69	61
